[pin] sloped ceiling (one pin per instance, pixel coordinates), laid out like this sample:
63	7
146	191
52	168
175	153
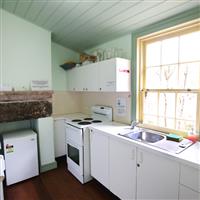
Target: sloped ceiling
80	24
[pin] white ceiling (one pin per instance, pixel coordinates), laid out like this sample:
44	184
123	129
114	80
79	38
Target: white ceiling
80	24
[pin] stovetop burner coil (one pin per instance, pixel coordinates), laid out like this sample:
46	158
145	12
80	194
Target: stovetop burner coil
84	123
76	120
88	118
96	121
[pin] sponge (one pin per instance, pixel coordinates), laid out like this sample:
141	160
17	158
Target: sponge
174	137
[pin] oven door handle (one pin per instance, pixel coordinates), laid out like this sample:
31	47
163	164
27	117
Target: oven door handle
74	144
72	127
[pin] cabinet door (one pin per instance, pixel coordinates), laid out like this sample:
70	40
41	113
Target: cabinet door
73	79
80	79
107	75
99	156
188	194
90	77
123	75
157	177
122	169
190	177
59	137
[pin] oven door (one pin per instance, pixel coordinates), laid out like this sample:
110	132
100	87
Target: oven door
74	158
74	134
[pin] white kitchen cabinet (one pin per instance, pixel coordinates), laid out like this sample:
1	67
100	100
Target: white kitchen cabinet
114	75
122	169
59	137
190	177
109	75
84	78
99	152
186	193
73	79
135	173
189	183
90	77
157	177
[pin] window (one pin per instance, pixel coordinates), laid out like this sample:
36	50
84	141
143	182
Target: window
169	79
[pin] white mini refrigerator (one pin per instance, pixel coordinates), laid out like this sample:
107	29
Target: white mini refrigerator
21	155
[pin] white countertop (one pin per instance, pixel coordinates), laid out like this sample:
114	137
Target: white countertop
190	156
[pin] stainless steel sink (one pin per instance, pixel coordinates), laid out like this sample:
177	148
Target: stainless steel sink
158	140
144	136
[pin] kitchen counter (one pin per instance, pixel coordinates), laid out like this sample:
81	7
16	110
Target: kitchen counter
189	156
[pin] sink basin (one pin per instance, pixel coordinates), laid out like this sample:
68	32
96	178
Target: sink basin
158	140
144	136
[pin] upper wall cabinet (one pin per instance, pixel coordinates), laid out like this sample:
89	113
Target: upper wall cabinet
111	75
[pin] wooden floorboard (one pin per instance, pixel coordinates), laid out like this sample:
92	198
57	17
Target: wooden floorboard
57	184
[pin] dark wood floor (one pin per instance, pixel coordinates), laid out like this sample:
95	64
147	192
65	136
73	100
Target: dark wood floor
57	184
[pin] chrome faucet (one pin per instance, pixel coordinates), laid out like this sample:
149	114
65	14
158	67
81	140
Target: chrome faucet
134	124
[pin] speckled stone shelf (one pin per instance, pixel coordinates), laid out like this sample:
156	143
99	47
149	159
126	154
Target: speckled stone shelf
25	95
17	106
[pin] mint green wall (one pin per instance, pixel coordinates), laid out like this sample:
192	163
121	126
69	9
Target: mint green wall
12	126
167	23
60	55
123	42
25	52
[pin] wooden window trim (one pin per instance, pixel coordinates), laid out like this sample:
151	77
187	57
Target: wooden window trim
141	72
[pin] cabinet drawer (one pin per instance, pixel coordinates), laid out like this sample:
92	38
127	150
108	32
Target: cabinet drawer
188	194
190	177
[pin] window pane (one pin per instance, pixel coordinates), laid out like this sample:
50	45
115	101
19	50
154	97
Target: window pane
151	103
166	122
170	51
169	77
189	47
189	76
150	119
167	105
153	54
153	78
186	106
185	125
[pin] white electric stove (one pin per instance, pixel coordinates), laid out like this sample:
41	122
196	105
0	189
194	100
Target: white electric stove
77	140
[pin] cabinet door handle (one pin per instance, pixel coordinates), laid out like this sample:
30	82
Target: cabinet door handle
138	165
99	88
91	134
140	157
